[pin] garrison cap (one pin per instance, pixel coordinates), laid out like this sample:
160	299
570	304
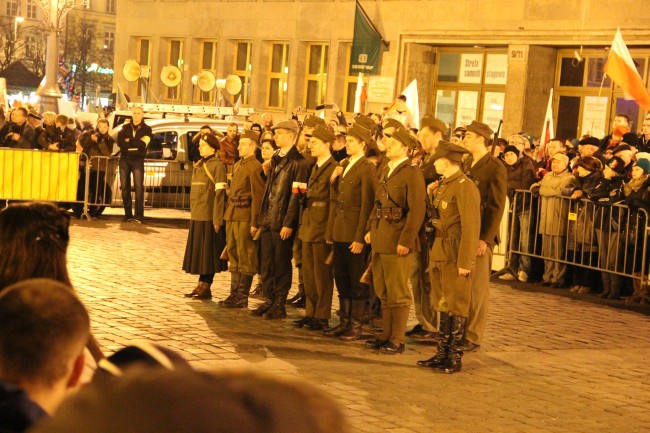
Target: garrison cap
451	151
389	122
286	124
433	124
323	134
403	136
359	132
367	123
312	121
481	129
251	135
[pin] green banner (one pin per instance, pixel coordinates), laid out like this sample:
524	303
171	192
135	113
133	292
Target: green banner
366	45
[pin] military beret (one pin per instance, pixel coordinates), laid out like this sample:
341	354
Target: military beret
403	136
323	134
433	124
481	129
367	123
589	141
389	122
617	165
359	132
251	135
211	140
286	124
312	121
450	151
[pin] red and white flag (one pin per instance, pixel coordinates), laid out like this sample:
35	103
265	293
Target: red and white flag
548	128
620	68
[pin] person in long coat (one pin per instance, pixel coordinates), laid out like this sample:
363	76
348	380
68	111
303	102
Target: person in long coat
206	239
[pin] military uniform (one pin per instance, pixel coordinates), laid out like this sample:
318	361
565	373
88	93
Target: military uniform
244	198
395	220
318	278
490	177
354	190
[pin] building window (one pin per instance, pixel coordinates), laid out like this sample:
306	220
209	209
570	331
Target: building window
30	10
208	62
350	89
175	58
109	41
316	75
110	6
143	55
30	46
278	73
243	68
12	8
470	85
586	100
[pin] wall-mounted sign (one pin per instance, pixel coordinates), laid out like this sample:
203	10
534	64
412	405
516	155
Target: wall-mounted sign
496	69
381	89
471	68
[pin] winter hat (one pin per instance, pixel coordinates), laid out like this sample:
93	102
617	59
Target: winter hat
631	139
589	163
512	149
644	164
617	165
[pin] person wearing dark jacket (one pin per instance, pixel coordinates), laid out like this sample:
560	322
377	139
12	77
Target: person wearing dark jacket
278	219
133	140
58	137
637	196
97	142
17	133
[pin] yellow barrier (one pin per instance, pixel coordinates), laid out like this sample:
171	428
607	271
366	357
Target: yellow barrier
37	175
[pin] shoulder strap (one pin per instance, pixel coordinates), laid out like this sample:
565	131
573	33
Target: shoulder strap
209	174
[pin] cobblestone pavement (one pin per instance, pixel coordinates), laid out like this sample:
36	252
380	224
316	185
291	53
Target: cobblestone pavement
549	363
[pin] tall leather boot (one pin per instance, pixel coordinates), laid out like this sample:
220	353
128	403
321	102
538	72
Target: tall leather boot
344	319
398	333
203	291
268	296
240	297
234	284
387	326
453	363
444	340
357	311
277	310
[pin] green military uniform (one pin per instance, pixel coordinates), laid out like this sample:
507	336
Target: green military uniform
396	219
317	274
244	198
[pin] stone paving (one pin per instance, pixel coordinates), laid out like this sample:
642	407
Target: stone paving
549	363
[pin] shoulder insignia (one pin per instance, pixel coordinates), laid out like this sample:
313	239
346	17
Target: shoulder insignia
461	181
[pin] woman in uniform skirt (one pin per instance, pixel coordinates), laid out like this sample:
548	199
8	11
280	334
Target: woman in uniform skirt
206	239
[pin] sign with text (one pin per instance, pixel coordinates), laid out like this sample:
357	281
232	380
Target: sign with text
467	105
381	89
594	116
496	69
493	103
471	68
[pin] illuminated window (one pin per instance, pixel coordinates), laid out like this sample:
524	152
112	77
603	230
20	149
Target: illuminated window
208	63
278	74
175	58
143	56
351	81
316	75
109	41
243	67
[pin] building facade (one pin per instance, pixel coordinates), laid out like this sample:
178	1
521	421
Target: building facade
473	59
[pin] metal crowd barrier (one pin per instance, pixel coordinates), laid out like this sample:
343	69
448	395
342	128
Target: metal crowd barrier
36	175
612	239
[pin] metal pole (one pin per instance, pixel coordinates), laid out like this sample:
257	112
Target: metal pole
50	93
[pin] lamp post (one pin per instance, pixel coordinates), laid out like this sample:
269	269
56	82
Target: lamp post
56	11
18	20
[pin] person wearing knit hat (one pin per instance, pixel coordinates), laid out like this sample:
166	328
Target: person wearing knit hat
206	239
489	175
453	260
643	164
637	196
244	198
513	149
392	231
590	163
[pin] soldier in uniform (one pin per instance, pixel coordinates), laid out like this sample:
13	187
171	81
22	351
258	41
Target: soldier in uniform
453	256
393	229
490	177
431	132
317	272
244	198
354	185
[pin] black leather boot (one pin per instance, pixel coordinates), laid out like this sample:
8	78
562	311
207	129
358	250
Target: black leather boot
442	351
262	308
234	285
357	311
344	323
240	296
453	363
298	301
277	310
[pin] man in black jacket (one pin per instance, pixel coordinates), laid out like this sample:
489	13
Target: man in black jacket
278	219
17	133
133	140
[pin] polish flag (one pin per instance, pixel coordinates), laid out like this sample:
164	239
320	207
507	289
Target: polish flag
620	68
547	129
358	95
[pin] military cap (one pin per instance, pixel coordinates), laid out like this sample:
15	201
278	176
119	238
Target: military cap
481	129
389	122
450	151
286	124
251	135
433	124
323	134
312	121
211	140
403	136
590	141
359	132
366	122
